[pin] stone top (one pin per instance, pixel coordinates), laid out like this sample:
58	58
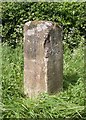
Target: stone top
38	26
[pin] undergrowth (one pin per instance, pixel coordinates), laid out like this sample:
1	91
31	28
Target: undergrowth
67	104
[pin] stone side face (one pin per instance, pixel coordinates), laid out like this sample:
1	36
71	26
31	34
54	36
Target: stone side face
43	58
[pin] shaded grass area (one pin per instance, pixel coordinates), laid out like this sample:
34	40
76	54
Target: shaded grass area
67	104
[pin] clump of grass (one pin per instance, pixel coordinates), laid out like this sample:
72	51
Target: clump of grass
67	104
12	72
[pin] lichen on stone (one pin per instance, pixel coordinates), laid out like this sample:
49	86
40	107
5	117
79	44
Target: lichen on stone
28	23
48	23
31	32
41	27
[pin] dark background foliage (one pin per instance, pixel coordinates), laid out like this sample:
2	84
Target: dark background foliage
70	15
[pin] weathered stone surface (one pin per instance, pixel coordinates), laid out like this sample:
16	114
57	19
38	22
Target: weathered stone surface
43	58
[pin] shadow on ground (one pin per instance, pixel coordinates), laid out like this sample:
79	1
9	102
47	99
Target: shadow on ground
69	79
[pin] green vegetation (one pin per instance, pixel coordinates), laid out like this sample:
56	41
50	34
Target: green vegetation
69	103
70	15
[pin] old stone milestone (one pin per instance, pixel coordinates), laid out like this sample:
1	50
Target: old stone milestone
43	58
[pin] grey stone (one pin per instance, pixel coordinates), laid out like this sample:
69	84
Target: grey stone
43	58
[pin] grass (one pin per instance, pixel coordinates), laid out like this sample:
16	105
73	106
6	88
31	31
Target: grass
67	104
